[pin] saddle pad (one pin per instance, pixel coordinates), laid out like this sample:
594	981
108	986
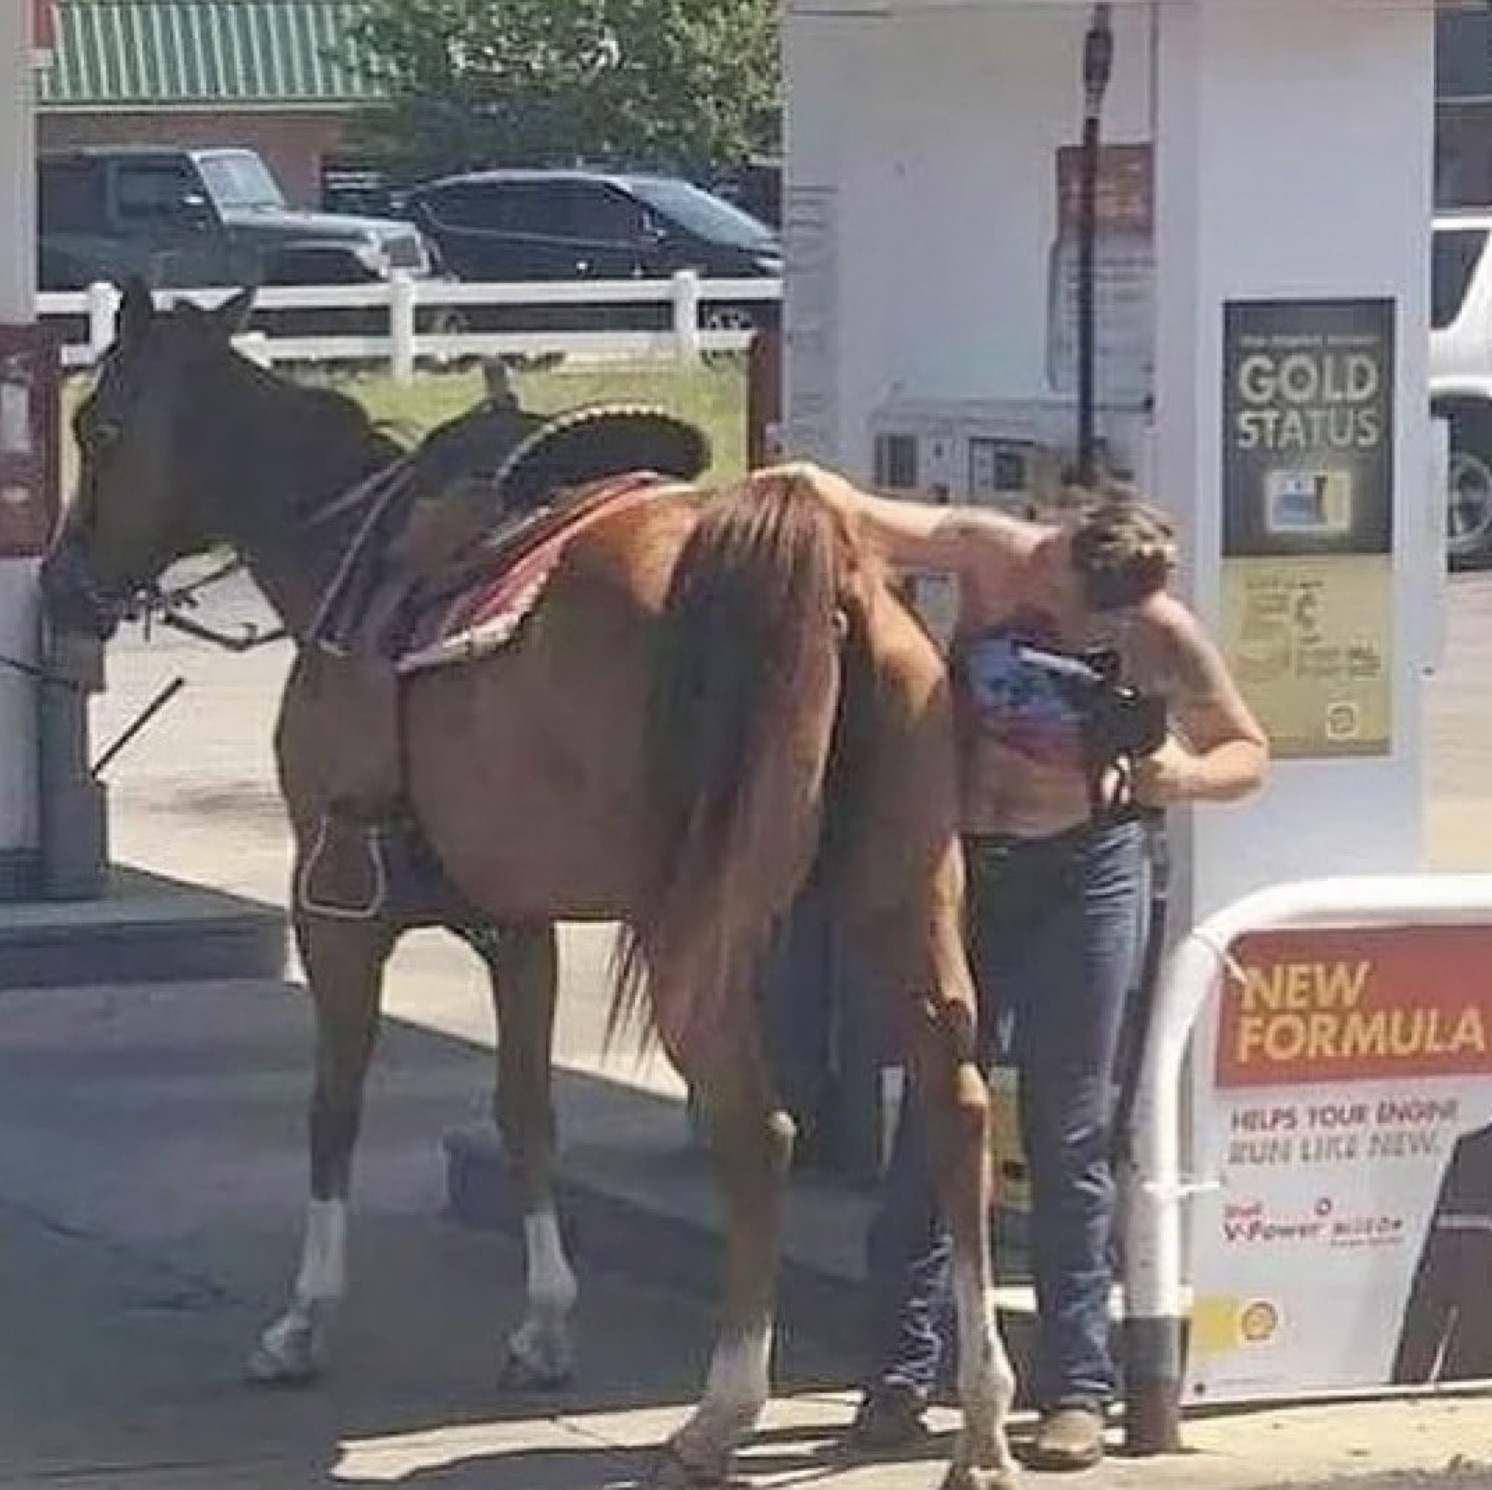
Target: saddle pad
484	615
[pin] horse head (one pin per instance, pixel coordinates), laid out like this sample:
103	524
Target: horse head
140	436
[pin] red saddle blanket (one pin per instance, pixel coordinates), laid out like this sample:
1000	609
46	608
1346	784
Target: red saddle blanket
484	613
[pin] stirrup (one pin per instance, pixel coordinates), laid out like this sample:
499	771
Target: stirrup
378	899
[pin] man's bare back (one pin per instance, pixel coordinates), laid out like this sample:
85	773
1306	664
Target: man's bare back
1024	772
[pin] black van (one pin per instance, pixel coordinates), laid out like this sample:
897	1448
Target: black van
527	224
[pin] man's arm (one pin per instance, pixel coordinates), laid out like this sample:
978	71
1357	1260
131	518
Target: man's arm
1223	751
1228	750
917	533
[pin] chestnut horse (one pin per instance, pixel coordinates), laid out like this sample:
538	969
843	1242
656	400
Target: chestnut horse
717	696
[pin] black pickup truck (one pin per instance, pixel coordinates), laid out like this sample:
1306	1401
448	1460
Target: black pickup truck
185	219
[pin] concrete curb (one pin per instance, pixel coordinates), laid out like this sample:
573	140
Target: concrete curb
144	929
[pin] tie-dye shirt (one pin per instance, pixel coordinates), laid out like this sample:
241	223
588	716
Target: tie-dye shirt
1013	702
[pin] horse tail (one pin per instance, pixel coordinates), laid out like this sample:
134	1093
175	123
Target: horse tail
736	744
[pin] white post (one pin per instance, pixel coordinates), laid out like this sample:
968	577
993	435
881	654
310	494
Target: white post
402	298
19	591
103	315
257	347
687	293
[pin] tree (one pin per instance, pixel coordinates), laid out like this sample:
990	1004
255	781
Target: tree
689	85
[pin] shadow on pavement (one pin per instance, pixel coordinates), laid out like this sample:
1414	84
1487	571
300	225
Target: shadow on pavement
151	1190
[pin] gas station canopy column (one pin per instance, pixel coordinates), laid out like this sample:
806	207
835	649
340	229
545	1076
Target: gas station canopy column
24	440
52	832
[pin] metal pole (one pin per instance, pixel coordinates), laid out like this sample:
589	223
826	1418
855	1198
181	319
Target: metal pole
19	600
1098	56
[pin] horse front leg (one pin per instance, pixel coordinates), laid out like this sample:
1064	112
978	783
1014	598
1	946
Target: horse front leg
946	1073
522	963
343	962
751	1144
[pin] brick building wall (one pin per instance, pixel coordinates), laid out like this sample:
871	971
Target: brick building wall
275	76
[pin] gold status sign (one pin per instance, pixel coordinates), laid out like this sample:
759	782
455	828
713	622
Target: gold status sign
1307	495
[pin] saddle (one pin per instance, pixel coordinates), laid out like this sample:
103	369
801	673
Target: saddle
474	496
460	537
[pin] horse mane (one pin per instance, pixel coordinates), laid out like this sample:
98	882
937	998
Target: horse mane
331	441
342	421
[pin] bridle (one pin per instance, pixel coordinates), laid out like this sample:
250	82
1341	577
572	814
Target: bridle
152	602
170	606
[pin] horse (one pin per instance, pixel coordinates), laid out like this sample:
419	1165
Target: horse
718	699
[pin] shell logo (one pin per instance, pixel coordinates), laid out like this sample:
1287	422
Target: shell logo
1258	1322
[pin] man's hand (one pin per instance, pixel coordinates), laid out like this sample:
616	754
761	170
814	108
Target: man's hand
912	534
1167	777
830	486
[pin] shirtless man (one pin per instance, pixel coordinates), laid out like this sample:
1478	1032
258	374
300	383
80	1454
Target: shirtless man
1056	904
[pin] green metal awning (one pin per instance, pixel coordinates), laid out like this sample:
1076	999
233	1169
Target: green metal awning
163	54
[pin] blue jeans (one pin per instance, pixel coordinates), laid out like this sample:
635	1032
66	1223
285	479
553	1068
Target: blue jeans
1055	930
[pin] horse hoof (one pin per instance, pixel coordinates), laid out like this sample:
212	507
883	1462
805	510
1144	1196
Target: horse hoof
521	1373
266	1369
967	1477
671	1471
537	1360
285	1356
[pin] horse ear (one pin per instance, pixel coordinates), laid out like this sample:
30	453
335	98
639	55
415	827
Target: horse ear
233	314
136	309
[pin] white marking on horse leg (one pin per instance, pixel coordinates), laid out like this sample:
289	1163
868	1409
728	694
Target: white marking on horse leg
551	1281
540	1352
323	1262
986	1382
736	1391
739	1382
289	1350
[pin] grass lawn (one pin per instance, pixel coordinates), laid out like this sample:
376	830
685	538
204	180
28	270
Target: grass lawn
712	396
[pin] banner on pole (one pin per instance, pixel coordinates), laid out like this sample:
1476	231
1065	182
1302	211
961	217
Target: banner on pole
1344	1102
1308	496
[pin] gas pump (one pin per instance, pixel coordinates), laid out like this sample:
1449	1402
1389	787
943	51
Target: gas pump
72	851
1009	454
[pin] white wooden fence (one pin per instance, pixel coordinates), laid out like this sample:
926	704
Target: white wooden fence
699	322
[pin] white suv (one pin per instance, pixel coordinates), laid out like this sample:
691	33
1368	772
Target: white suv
1461	374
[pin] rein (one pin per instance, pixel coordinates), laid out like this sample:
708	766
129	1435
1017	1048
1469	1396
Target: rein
170	607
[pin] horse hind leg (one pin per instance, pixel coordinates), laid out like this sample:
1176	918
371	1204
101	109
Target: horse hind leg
343	962
751	1144
522	964
958	1129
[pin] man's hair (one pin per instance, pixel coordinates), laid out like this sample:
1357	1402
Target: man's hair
1123	550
